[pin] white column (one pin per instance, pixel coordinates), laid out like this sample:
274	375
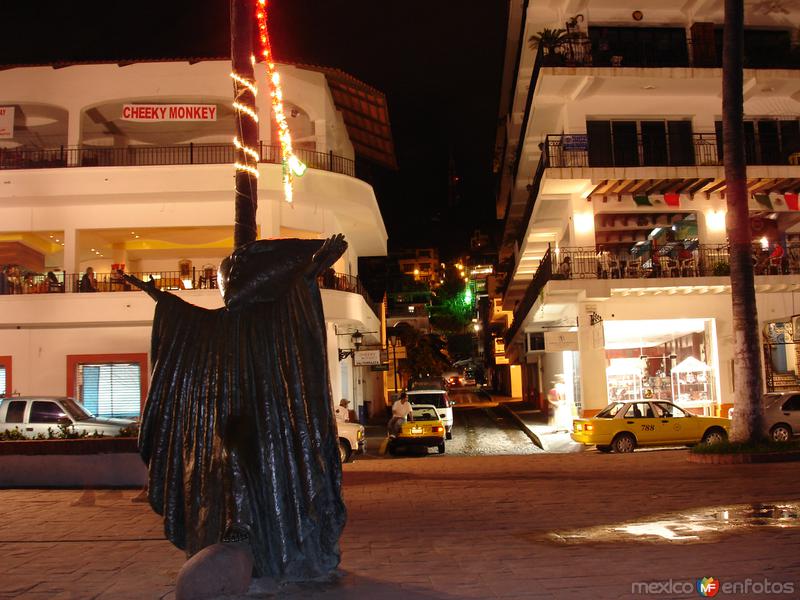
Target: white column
320	135
711	222
581	222
71	262
594	396
74	135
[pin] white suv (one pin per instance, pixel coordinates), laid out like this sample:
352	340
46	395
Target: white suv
36	415
439	399
351	439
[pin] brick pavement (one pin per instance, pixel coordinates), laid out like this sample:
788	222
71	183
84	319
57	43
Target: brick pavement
434	527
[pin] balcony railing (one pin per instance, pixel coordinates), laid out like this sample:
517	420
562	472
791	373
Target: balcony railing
584	52
137	156
672	260
62	282
701	149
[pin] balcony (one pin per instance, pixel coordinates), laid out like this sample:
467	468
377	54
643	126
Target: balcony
697	149
668	47
137	156
683	260
62	282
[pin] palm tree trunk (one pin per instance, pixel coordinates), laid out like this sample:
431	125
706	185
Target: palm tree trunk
748	413
246	200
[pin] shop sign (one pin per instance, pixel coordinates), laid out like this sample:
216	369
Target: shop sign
150	113
574	142
560	341
366	358
6	122
379	368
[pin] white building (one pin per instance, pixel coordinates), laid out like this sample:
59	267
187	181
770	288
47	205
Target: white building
612	194
91	177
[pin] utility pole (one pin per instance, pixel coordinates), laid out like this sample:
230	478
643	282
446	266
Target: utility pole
246	194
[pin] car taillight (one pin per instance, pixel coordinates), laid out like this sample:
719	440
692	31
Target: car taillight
437	429
588	427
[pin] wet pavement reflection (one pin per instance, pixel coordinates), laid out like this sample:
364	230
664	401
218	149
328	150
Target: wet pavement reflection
701	525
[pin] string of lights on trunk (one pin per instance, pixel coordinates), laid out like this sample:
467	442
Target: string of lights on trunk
291	166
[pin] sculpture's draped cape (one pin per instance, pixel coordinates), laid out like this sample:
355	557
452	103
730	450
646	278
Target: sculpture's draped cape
237	430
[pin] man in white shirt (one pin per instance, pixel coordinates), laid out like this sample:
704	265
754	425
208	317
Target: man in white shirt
401	410
342	412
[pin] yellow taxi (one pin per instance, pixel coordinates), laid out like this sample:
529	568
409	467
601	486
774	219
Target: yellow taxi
624	426
425	428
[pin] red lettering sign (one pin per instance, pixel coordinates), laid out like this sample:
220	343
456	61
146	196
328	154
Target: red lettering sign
169	112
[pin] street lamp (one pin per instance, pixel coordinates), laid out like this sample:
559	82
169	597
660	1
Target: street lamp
393	336
356	339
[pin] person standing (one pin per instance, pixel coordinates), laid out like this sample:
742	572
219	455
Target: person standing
342	412
401	411
88	282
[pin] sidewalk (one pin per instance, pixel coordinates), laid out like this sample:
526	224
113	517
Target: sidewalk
535	423
443	527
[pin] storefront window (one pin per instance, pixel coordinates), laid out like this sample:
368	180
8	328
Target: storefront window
662	360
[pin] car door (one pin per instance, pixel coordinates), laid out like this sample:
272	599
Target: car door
640	420
791	412
44	415
675	425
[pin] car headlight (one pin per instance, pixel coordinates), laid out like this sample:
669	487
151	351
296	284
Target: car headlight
360	434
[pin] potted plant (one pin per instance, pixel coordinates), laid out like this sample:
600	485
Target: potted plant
549	40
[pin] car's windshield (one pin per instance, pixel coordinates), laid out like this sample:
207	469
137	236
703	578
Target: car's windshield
425	414
609	411
75	410
439	400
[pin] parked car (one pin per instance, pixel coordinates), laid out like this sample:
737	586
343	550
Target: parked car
351	439
624	426
781	415
426	429
439	399
35	415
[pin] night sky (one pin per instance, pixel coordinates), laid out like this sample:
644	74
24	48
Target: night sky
438	61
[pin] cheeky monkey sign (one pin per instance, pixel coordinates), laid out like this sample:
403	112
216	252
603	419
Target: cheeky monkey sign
169	112
6	122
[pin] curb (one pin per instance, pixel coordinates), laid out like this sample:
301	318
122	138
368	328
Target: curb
521	424
743	458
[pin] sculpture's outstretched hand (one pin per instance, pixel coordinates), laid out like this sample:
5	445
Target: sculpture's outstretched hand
149	287
328	254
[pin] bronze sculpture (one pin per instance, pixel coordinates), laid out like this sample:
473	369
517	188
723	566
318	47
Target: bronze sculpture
238	431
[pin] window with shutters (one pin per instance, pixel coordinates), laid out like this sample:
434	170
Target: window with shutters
108	385
5	376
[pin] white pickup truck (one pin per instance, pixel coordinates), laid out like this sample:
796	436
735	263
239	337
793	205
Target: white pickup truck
35	415
351	439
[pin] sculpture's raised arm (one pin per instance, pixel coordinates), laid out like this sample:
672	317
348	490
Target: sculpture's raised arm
330	251
148	287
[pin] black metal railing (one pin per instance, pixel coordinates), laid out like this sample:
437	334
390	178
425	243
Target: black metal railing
701	149
61	282
137	156
533	194
585	52
543	274
671	260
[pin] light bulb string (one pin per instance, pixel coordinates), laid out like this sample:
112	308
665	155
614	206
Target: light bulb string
276	96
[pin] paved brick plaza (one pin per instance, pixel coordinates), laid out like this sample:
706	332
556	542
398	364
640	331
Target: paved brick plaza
437	527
